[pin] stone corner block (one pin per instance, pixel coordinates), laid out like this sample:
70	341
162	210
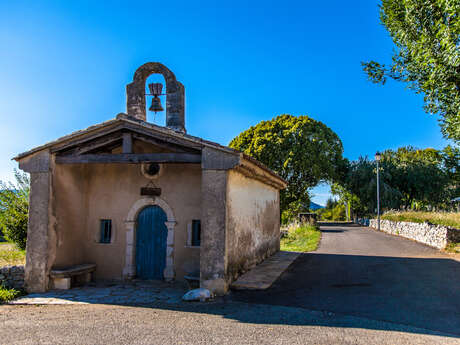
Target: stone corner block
39	162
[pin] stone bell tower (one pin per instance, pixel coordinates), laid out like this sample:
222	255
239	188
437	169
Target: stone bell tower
175	96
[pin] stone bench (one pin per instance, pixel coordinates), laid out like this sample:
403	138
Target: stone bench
62	277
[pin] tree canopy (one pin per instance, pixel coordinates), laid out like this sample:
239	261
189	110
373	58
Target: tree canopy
427	56
410	178
300	149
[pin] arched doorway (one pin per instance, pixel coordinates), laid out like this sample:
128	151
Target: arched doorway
129	271
151	241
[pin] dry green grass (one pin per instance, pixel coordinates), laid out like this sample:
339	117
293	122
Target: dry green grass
451	219
10	255
303	238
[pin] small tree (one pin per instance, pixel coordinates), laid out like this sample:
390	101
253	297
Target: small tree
14	209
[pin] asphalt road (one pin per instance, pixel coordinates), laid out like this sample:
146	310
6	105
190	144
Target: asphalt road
362	272
360	287
223	323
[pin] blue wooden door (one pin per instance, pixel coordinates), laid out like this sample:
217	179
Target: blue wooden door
151	239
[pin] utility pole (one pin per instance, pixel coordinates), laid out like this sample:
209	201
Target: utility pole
377	159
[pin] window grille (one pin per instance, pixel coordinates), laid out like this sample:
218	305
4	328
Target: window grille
106	231
196	232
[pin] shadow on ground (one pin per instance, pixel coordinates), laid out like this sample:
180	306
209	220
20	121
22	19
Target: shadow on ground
421	292
407	294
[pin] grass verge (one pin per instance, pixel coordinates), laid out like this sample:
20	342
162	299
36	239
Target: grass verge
10	255
451	219
303	238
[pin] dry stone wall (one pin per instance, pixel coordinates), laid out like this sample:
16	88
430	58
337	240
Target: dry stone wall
12	277
433	235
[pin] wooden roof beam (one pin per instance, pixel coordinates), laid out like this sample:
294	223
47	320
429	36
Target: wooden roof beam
130	158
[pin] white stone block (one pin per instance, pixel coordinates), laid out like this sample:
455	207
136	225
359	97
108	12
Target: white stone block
197	295
130	237
170	240
62	283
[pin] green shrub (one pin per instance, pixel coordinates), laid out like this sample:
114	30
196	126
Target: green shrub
7	295
14	209
335	213
453	247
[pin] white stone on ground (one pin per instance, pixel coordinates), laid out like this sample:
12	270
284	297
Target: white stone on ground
197	295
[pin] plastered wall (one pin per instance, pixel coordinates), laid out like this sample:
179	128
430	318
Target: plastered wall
253	222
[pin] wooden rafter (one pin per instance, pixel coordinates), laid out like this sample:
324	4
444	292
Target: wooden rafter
130	158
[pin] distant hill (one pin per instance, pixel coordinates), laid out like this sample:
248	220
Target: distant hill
315	206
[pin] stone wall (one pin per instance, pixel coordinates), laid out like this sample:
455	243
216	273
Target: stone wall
12	277
430	234
362	221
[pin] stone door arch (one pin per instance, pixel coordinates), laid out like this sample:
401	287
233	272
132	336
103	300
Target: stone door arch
129	270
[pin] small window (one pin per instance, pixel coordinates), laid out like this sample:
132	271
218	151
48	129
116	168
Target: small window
196	232
106	230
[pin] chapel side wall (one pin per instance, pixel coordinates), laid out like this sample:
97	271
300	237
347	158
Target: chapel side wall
69	210
110	192
253	223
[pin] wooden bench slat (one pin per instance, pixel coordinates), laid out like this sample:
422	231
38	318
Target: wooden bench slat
71	271
192	278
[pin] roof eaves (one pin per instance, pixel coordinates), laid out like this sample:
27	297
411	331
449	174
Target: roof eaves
66	137
264	167
164	130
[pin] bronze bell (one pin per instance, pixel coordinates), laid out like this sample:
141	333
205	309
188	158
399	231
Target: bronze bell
156	104
155	91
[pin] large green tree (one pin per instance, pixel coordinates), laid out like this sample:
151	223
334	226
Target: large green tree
427	56
14	209
300	149
361	182
419	175
411	178
451	164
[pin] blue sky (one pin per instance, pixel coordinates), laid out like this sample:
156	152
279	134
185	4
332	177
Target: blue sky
64	66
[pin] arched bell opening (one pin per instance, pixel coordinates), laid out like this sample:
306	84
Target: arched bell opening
174	90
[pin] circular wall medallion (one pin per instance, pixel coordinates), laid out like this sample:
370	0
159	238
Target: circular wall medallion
151	170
